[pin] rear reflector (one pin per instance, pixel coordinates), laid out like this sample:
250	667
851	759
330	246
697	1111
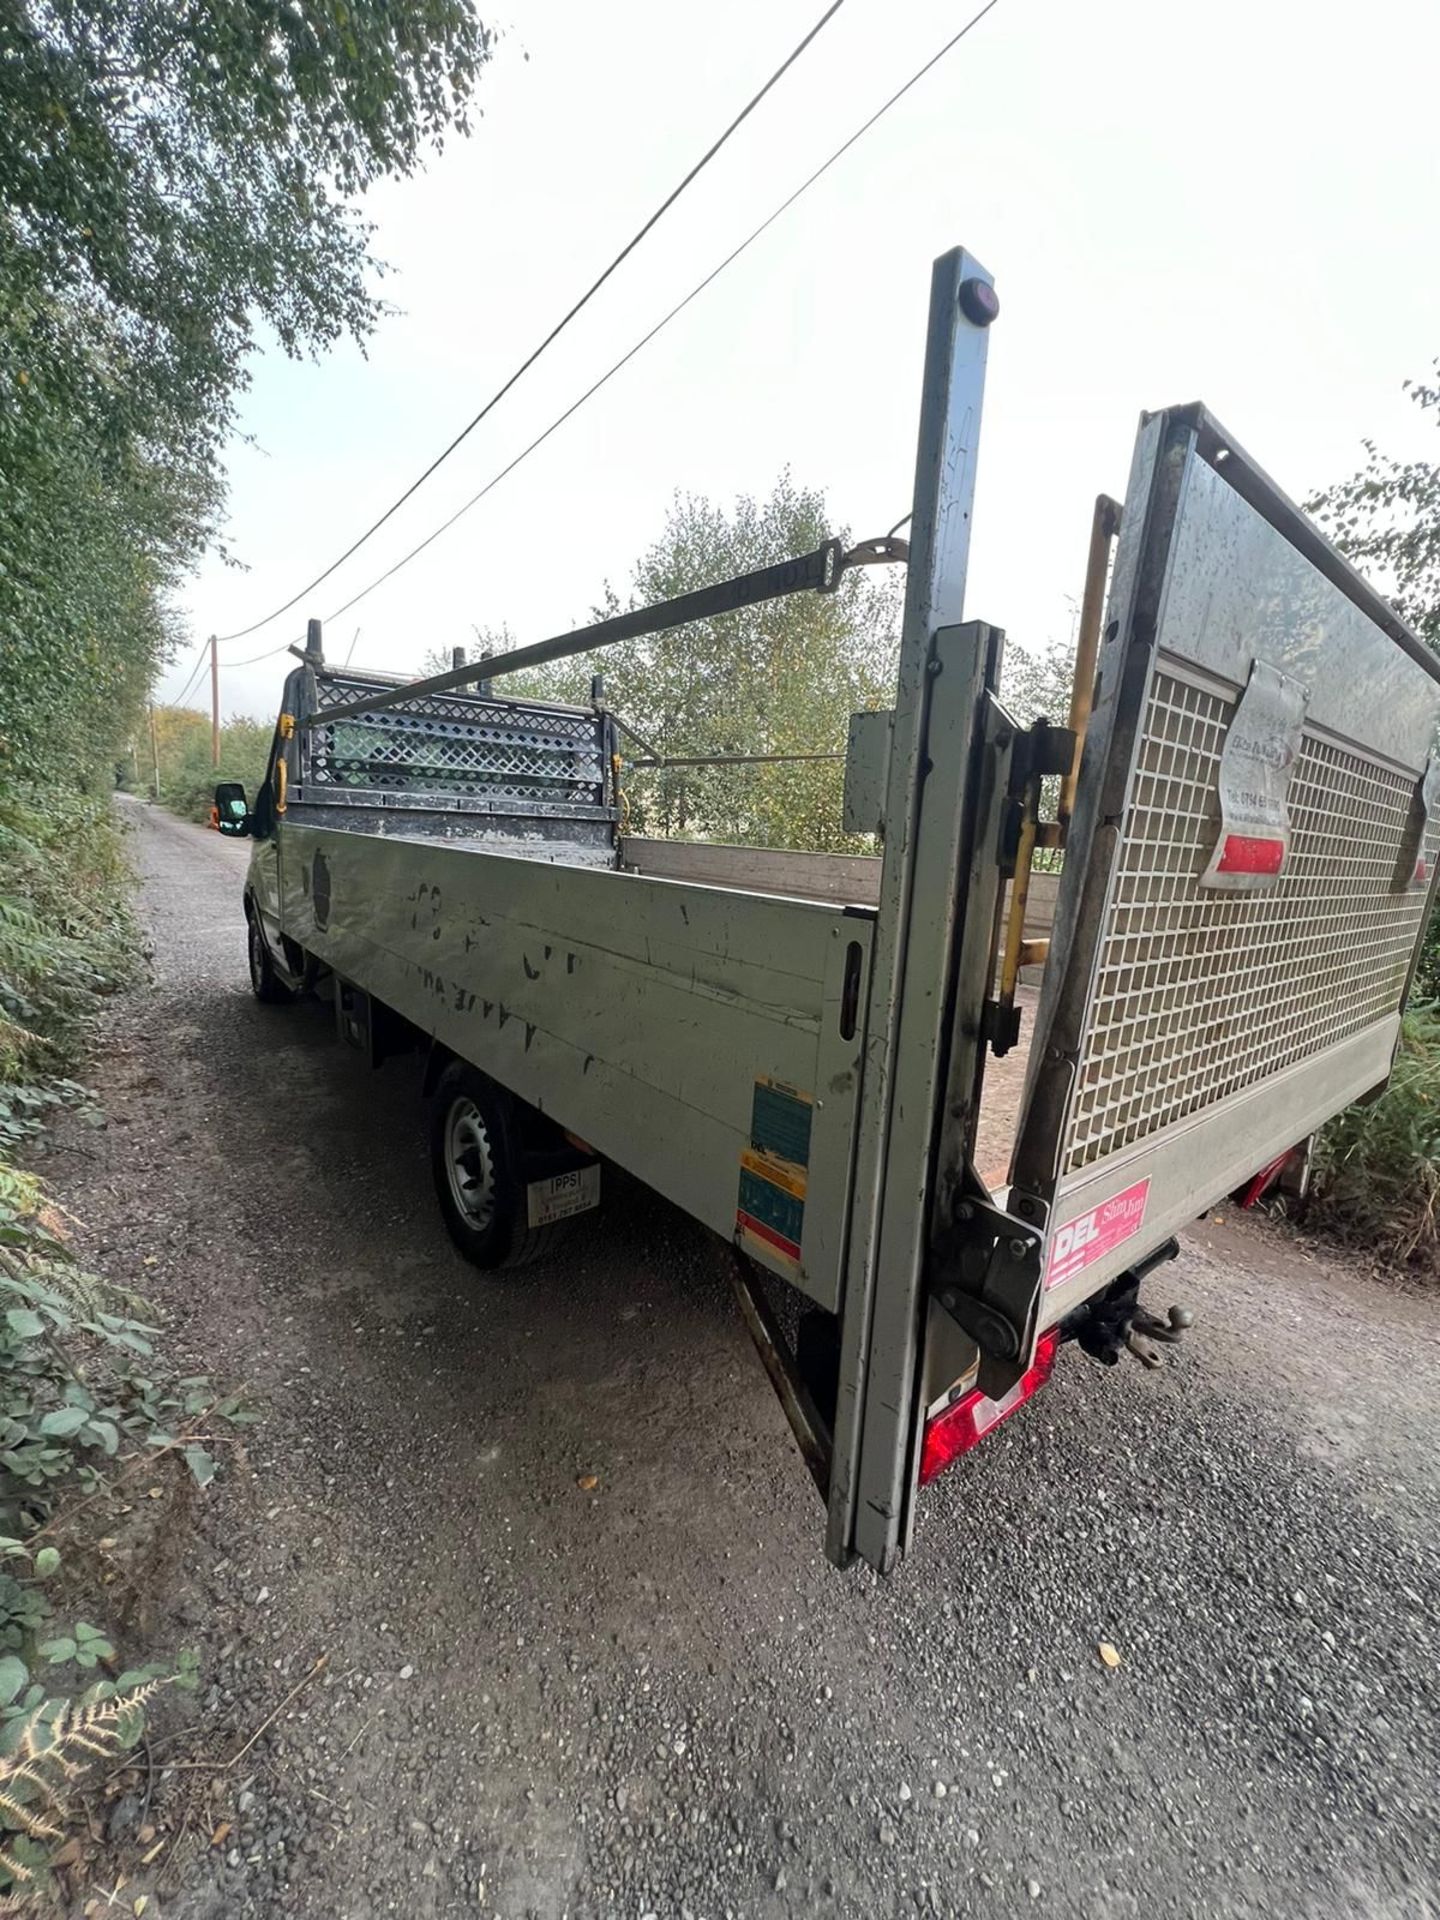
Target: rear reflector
1248	853
968	1419
1252	1191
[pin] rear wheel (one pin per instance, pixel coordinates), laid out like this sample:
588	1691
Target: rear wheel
477	1164
265	983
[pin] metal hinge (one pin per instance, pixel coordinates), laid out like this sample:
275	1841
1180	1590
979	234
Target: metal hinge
987	1278
1041	752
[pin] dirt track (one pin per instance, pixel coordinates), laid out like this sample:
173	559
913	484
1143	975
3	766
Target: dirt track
658	1698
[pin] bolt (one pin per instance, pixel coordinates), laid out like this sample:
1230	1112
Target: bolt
964	1211
947	1300
979	302
1019	1248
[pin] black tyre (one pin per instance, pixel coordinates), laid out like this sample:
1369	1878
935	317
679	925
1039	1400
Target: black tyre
265	983
477	1161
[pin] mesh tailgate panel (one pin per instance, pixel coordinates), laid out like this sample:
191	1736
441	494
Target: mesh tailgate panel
462	746
1200	993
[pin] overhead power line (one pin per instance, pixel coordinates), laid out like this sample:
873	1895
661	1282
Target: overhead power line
660	325
179	699
556	330
269	653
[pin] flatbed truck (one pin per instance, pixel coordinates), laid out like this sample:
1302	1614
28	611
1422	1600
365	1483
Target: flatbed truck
800	1050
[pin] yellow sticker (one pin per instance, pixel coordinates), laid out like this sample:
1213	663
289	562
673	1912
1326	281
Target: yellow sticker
781	1173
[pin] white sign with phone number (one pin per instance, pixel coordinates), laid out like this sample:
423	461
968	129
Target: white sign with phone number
562	1195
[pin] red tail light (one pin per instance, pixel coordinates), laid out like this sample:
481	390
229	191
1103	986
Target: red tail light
967	1420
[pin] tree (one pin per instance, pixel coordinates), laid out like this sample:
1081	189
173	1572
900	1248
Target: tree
187	775
1038	684
1386	519
172	174
783	677
173	178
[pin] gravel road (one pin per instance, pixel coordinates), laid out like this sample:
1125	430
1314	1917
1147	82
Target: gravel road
656	1697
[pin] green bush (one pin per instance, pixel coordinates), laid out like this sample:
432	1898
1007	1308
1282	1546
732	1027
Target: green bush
187	777
1377	1169
66	933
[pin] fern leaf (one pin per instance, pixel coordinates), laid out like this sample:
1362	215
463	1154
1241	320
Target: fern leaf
16	1869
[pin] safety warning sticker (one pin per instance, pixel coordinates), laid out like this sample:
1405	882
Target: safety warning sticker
774	1175
1081	1242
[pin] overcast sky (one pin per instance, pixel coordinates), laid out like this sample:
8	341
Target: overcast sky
1233	202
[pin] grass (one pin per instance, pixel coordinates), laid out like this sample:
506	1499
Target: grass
1377	1171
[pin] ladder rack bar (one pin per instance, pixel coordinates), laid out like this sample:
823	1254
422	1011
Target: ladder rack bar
731	759
820	572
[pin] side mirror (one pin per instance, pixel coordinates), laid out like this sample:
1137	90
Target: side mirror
232	810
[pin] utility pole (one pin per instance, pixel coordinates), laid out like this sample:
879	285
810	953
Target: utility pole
154	752
214	702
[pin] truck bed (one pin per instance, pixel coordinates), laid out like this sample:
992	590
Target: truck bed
854	880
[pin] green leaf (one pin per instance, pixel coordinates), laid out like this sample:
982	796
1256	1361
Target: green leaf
14	1674
59	1650
63	1422
25	1321
129	1726
137	1676
127	1337
200	1464
47	1561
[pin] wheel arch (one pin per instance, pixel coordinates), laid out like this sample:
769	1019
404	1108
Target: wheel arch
437	1059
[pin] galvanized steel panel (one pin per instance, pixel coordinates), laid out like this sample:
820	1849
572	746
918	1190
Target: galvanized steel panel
640	1013
1188	1034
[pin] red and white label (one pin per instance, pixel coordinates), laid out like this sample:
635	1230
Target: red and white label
1082	1241
1253	782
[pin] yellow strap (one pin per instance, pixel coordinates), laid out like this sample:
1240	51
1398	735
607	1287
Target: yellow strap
620	794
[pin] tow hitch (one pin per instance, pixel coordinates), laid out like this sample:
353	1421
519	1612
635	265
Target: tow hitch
1114	1322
